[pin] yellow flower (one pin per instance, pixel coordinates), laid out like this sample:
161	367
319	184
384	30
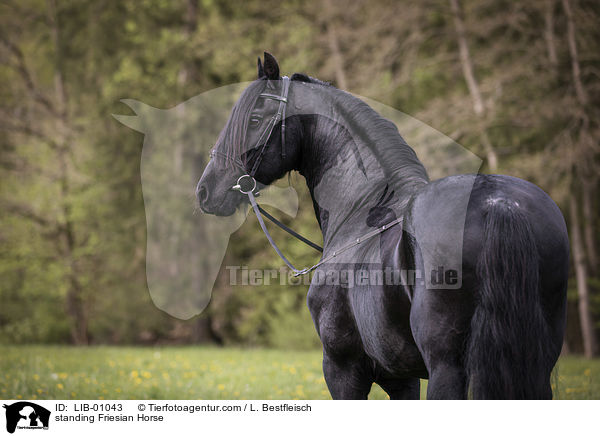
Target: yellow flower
36	377
146	374
134	374
587	372
73	394
221	387
60	386
39	391
63	375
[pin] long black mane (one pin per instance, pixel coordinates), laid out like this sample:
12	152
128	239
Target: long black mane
398	160
396	157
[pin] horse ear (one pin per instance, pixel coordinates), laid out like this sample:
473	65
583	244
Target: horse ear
271	67
261	71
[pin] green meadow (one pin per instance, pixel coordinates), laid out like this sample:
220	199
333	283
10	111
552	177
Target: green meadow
62	372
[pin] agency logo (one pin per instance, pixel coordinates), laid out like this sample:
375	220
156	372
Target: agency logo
26	415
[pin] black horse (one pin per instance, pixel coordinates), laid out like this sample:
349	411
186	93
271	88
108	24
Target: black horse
493	329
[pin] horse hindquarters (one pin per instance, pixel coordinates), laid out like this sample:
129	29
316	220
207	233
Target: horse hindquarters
510	349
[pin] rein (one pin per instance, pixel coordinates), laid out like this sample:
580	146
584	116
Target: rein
247	185
258	210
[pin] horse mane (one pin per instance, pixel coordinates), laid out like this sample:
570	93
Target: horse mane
399	161
301	77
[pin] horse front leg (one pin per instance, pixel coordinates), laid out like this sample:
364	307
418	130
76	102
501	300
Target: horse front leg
401	388
346	379
447	381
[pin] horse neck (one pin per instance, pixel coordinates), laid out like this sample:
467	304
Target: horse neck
334	145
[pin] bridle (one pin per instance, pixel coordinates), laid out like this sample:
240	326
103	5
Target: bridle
247	185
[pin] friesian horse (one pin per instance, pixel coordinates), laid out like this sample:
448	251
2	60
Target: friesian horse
493	331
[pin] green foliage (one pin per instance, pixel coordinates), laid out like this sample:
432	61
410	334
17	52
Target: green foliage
72	219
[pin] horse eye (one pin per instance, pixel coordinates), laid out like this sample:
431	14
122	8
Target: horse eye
255	120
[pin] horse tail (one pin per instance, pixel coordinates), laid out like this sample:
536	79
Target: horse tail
508	348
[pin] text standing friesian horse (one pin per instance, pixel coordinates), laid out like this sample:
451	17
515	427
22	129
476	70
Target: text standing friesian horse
498	335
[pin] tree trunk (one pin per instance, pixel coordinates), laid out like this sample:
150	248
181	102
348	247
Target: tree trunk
334	46
75	300
183	78
588	331
549	33
586	141
588	226
474	91
580	91
202	331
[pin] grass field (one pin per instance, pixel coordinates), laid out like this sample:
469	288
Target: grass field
55	372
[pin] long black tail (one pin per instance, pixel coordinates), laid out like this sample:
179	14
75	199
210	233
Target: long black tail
508	349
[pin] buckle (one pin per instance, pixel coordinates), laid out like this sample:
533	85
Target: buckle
245	184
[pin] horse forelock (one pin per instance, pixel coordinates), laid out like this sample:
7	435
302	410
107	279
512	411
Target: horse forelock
232	139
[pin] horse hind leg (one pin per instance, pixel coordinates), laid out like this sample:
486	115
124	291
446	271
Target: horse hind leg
440	322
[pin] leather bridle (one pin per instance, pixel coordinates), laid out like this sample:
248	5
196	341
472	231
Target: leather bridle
247	185
247	181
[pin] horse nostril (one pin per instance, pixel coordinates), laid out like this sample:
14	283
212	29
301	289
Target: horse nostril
202	194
